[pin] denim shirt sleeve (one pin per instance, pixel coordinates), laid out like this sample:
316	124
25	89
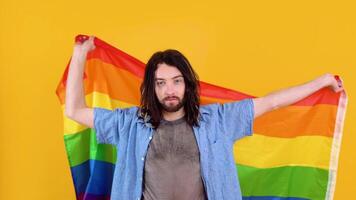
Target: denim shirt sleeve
108	124
236	118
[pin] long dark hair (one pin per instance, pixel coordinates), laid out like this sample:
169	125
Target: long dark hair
150	108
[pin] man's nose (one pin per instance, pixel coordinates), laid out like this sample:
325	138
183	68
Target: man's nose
170	90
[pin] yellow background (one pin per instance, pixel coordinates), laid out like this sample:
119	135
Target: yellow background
250	46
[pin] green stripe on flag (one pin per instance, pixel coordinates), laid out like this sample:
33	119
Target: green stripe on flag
286	181
83	146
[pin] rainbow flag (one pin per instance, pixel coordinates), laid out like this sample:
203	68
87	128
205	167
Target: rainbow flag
293	153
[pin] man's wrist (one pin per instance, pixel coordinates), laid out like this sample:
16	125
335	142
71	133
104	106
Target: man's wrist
79	52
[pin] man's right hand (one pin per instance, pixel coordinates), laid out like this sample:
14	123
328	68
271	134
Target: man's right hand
86	46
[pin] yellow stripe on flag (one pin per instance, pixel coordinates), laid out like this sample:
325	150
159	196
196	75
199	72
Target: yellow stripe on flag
94	99
265	152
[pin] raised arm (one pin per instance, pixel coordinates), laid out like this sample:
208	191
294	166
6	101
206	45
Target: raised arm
75	106
292	95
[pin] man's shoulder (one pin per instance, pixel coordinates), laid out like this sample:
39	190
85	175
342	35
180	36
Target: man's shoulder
209	107
127	111
131	109
227	106
208	110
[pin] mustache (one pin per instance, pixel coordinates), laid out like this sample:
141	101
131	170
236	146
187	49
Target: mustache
171	98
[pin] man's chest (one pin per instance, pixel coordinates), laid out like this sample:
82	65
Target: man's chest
175	143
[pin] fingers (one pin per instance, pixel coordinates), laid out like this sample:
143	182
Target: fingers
84	43
338	86
79	39
84	39
339	82
91	42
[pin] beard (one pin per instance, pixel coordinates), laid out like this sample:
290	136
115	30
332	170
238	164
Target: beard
171	106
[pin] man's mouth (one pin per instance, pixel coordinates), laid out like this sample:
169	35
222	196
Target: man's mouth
170	99
171	103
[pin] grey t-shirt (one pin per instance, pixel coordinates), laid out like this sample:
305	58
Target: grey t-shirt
172	165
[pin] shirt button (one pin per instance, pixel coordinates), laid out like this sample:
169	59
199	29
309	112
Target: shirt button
142	158
150	138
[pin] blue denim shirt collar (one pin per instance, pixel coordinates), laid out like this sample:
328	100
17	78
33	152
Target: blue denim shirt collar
146	119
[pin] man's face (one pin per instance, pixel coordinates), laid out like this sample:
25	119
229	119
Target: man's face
169	87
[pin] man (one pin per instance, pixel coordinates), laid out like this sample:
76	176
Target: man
170	147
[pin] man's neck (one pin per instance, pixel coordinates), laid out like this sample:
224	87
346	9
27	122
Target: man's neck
171	116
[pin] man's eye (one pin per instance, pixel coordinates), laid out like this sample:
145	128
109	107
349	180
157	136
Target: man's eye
160	83
178	80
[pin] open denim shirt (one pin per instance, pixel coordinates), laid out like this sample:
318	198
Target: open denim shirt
220	125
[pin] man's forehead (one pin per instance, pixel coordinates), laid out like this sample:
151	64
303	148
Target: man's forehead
174	77
165	71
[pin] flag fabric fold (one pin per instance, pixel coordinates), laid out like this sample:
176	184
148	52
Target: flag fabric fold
293	153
